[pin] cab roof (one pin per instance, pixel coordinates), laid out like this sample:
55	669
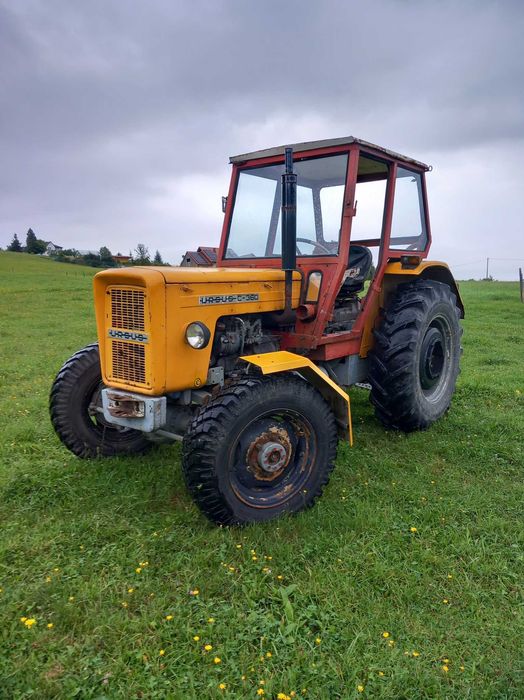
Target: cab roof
326	143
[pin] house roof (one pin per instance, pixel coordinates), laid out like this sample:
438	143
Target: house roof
196	257
210	253
326	143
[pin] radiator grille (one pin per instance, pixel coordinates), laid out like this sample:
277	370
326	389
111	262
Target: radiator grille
129	362
127	309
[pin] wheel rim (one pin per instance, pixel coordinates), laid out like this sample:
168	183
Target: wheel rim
272	458
435	358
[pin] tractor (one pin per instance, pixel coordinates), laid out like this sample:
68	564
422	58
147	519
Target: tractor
321	283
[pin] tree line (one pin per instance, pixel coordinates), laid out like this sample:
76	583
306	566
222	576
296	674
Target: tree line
104	257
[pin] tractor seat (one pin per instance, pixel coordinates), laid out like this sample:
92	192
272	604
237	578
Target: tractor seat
359	265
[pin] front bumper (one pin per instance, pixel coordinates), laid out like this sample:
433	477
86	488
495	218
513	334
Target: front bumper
145	413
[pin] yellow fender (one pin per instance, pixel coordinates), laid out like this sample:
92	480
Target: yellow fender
284	361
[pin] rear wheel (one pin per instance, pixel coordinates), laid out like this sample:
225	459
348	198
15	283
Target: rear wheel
415	362
75	404
262	447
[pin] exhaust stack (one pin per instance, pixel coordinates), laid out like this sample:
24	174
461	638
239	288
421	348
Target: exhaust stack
289	226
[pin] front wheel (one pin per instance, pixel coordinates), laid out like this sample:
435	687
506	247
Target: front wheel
414	365
75	408
262	447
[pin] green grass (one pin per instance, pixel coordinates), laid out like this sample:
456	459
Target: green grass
73	534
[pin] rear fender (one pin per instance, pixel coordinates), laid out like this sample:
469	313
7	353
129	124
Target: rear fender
396	274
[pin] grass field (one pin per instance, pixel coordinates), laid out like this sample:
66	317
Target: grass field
127	583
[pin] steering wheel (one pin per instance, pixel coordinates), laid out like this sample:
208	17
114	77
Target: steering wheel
316	244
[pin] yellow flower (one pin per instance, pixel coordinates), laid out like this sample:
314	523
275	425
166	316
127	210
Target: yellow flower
253	552
130	590
261	691
461	668
243	678
269	558
196	638
360	688
48	579
445	601
195	591
56	569
254	558
268	654
71	598
413	529
281	696
222	686
217	660
124	604
162	652
239	546
445	668
280	577
50	625
391	642
210	620
416	653
450	576
381	673
23	619
169	617
385	635
30	622
208	647
445	661
138	569
318	640
143	563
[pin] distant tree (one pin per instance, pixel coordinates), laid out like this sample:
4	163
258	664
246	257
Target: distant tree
141	256
106	258
66	255
15	246
91	259
157	260
33	244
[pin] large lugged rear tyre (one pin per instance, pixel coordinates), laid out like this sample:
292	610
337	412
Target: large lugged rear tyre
415	362
75	396
262	447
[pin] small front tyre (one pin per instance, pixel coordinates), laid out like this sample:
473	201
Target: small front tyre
74	405
262	447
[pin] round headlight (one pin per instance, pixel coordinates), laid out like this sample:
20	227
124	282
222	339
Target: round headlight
197	335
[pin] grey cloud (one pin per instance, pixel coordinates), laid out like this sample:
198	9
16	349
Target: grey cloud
105	104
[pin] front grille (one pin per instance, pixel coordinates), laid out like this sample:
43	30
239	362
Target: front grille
129	362
127	309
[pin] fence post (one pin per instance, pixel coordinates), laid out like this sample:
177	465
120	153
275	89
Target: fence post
521	280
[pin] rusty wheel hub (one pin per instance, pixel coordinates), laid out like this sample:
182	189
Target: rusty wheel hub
269	454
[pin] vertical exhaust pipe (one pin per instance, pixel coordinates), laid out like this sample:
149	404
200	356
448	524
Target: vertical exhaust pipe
289	227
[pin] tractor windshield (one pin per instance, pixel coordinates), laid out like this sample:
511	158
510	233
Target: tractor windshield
255	228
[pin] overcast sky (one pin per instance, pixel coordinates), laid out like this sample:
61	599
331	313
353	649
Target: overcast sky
117	117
